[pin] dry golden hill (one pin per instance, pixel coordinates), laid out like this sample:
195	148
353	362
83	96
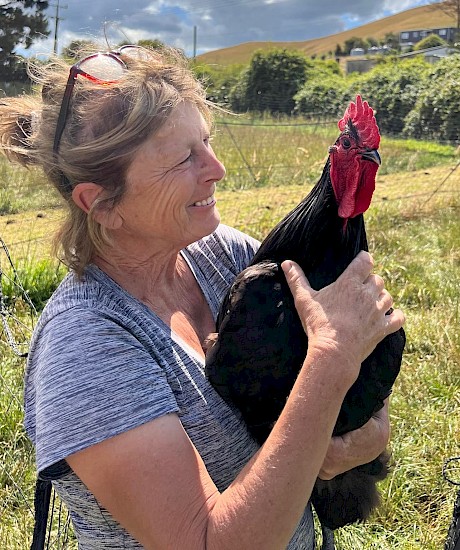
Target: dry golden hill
423	17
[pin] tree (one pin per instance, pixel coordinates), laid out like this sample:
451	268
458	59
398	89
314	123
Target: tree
338	51
372	41
270	82
450	7
354	42
22	22
391	40
150	43
430	41
76	47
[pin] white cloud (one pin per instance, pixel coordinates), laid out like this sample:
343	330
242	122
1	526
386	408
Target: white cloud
396	6
220	23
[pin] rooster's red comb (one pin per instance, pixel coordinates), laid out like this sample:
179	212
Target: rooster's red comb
362	118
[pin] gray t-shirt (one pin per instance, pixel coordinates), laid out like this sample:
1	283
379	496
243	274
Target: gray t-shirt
101	363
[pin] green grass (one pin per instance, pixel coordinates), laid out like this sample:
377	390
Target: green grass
414	235
419	256
16	470
257	154
37	278
22	189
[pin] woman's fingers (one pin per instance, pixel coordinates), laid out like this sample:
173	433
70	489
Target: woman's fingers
357	447
295	276
350	314
360	267
376	281
394	321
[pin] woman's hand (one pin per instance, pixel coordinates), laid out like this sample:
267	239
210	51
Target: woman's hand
345	319
357	447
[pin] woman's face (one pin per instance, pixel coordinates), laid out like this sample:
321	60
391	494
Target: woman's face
169	198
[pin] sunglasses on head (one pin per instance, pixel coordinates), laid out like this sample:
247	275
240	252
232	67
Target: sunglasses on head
100	68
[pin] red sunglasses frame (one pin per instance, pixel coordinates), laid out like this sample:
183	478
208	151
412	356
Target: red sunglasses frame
74	72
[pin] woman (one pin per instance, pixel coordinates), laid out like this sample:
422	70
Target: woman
115	386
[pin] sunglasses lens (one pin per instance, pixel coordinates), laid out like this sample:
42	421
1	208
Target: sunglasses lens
103	67
135	52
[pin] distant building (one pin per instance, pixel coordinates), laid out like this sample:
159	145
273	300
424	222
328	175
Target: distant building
362	65
408	39
378	50
363	61
431	55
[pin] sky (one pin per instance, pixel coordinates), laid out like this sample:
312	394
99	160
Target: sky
216	24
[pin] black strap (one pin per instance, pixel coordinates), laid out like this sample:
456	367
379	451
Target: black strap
42	505
42	500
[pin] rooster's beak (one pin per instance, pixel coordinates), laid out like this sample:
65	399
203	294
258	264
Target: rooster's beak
373	155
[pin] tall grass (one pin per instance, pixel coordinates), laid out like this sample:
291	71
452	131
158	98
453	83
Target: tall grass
22	189
415	238
36	278
258	155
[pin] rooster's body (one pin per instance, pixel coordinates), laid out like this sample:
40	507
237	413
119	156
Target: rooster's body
261	344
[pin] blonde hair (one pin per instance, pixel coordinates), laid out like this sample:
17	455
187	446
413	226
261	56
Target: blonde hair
105	126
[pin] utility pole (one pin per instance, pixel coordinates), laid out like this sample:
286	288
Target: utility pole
56	23
194	42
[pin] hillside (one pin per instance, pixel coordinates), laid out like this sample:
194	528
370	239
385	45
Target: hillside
423	17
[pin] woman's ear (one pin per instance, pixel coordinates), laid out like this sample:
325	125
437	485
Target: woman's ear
85	195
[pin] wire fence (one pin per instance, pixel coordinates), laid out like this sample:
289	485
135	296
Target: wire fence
257	154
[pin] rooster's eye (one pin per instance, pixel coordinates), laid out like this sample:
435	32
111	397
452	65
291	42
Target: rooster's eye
346	143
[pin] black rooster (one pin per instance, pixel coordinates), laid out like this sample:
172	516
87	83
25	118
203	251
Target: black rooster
261	344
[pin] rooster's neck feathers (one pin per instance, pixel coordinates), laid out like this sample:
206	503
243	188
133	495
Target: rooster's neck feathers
312	228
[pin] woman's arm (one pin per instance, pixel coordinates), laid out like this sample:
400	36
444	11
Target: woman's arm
155	484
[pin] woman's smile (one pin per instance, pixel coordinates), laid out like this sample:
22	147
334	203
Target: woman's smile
210	201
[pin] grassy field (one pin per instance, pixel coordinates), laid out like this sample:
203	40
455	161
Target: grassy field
414	234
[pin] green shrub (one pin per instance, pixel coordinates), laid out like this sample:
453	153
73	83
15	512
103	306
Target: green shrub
219	81
436	112
392	88
324	95
270	82
430	41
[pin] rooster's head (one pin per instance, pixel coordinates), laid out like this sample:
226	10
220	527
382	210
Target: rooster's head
355	160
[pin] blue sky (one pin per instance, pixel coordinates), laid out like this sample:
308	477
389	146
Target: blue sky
219	23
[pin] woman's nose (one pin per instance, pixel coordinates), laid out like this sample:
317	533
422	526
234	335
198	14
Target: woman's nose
215	166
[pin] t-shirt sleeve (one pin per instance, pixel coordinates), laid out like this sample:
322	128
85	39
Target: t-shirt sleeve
86	389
